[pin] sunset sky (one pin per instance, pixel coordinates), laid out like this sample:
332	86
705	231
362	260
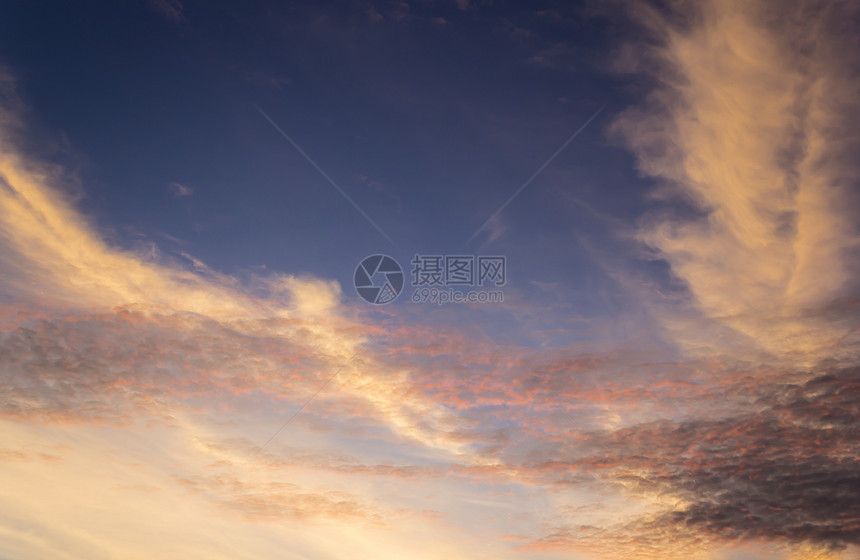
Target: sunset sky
187	370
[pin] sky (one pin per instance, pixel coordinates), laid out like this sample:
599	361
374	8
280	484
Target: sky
204	354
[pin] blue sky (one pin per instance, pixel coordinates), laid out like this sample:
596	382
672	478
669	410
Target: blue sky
429	126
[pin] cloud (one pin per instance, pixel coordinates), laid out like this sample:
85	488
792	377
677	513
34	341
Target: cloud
179	190
120	333
172	10
143	362
558	55
277	500
785	473
99	338
373	16
750	133
496	228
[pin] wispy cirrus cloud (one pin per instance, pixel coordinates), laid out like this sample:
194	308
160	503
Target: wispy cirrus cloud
172	10
97	338
750	134
116	319
179	190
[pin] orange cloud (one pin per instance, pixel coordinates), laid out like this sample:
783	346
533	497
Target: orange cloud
752	128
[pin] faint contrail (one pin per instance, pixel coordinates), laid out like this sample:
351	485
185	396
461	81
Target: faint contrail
536	173
326	177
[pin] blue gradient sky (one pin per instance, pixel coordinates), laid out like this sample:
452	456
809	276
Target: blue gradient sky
429	126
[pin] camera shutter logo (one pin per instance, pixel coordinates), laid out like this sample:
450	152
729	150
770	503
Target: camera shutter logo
378	279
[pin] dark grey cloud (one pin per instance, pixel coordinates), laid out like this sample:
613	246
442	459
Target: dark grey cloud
788	472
